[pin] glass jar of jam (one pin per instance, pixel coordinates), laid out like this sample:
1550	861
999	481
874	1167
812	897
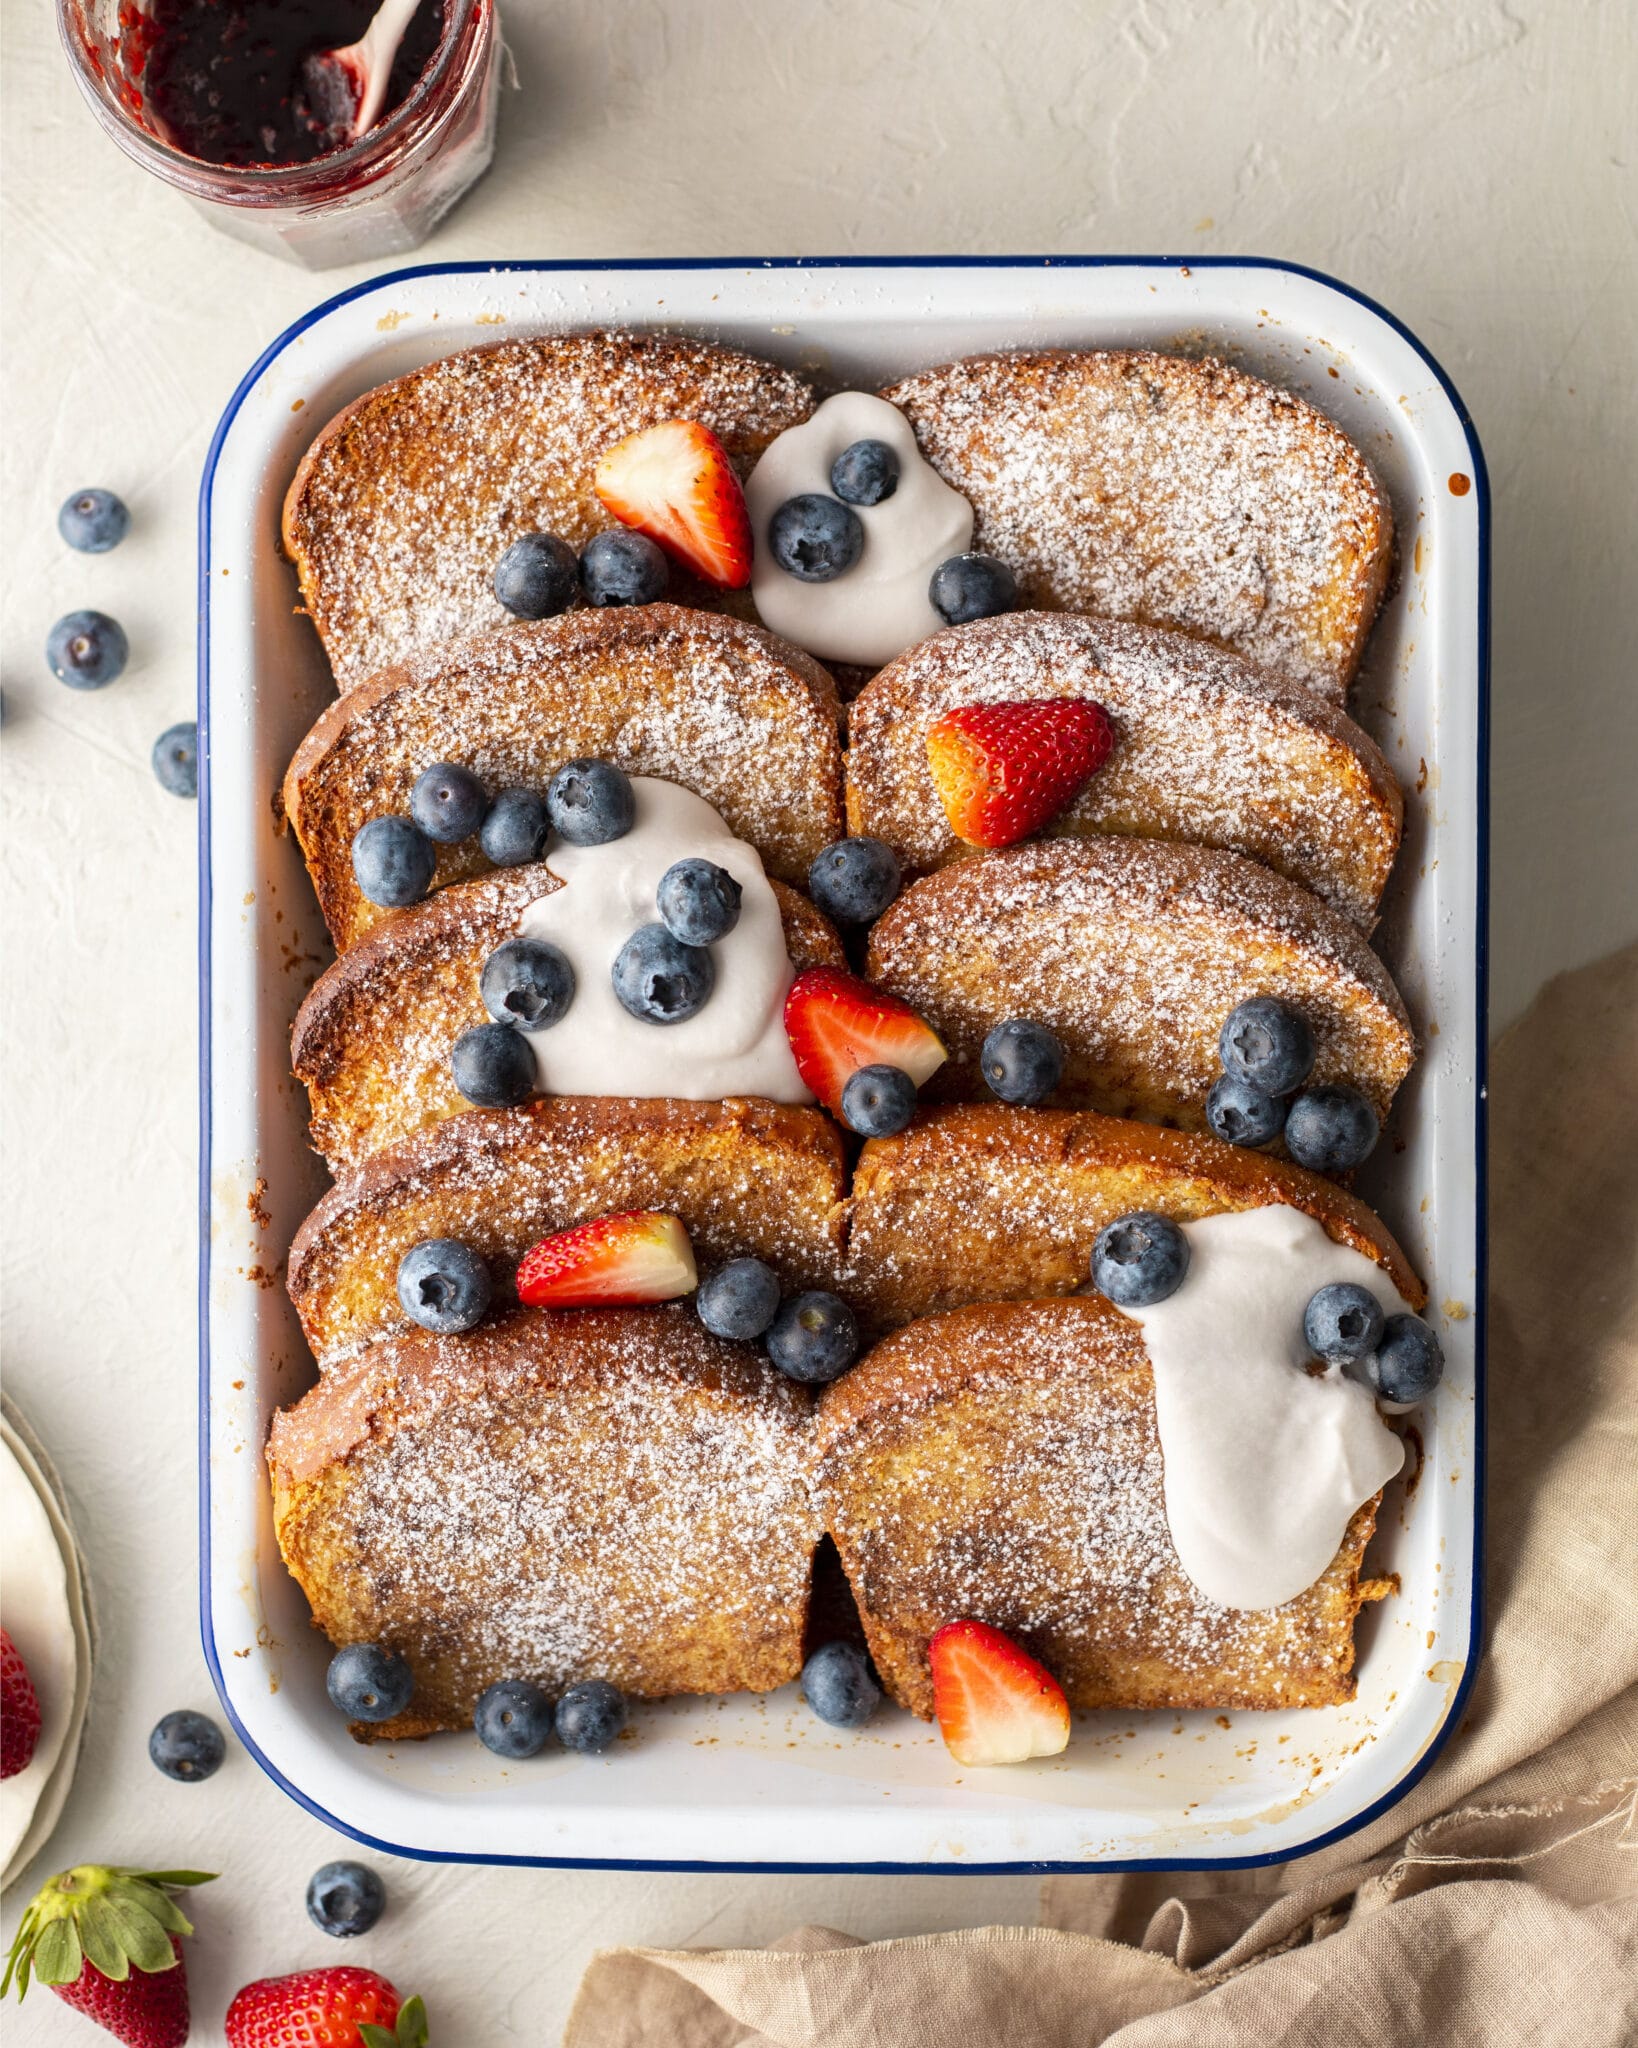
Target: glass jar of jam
210	95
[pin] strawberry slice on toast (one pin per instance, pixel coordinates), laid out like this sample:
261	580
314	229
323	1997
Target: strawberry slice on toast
675	483
995	1704
1004	771
837	1024
611	1262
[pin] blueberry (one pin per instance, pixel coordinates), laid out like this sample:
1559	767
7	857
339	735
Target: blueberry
368	1683
739	1300
515	830
186	1746
972	587
698	902
1139	1259
854	880
1342	1323
443	1285
448	802
1241	1114
1330	1129
591	802
175	758
622	567
93	521
1022	1062
814	1338
840	1685
878	1100
1267	1044
1410	1361
393	861
537	576
590	1715
865	474
345	1899
493	1066
85	650
815	538
659	979
513	1718
527	983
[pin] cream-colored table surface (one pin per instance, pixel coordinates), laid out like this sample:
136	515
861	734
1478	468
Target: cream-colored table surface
1465	163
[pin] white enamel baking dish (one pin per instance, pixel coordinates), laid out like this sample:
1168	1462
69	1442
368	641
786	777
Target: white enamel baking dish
759	1783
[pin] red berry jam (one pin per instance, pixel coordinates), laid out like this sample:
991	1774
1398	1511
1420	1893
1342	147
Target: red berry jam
227	80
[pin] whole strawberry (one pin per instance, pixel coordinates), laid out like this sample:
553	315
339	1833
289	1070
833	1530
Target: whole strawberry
107	1941
340	2007
19	1710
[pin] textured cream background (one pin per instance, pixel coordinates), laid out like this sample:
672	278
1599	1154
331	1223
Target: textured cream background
1465	163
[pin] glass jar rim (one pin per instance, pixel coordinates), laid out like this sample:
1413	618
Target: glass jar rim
402	130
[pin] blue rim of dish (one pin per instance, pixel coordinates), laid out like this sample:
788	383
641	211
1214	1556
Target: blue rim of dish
1481	967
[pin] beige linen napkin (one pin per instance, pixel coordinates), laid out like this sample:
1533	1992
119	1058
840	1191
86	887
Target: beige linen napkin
1497	1902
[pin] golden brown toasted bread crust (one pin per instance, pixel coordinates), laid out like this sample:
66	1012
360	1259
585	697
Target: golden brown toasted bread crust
1134	952
720	707
746	1178
1173	490
994	1204
410	496
372	1039
600	1493
1003	1464
1207	750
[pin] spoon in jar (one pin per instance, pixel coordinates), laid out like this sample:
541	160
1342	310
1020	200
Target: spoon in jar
346	88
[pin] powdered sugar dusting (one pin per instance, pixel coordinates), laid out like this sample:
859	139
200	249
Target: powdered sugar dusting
635	1510
409	501
1207	750
1180	492
1028	1491
715	705
1134	952
746	1178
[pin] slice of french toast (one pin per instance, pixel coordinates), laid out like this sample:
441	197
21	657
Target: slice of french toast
720	707
1208	750
594	1494
1002	1463
1134	952
1171	489
372	1039
746	1178
409	497
985	1203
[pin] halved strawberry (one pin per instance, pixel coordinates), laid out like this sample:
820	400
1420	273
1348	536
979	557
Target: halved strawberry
837	1024
995	1704
1002	771
636	1256
675	483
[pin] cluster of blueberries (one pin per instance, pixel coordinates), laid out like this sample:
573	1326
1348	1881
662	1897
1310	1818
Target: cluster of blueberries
586	803
816	538
87	649
1144	1258
1267	1050
343	1898
539	574
514	1718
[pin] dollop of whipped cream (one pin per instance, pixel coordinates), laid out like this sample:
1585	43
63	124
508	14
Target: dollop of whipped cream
880	606
735	1044
1265	1462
